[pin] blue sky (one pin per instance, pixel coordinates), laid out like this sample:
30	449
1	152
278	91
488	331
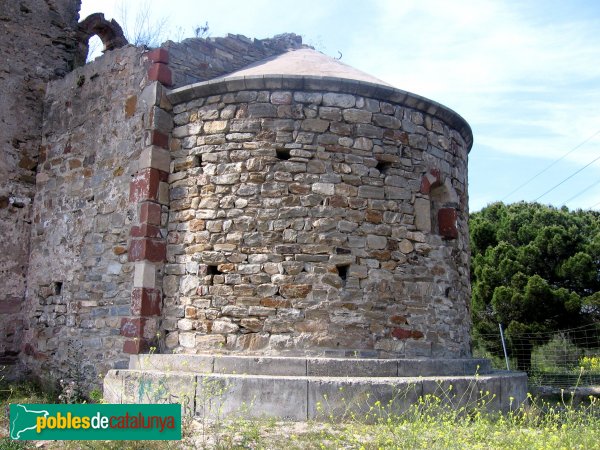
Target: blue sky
524	74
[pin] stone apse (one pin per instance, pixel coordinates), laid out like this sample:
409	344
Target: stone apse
223	196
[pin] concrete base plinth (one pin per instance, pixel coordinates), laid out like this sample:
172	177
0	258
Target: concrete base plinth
308	388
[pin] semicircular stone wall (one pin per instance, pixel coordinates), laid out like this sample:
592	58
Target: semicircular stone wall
305	221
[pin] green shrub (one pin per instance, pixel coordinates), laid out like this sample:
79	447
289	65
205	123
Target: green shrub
590	363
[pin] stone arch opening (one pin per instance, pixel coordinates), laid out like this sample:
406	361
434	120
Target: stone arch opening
438	212
110	33
444	201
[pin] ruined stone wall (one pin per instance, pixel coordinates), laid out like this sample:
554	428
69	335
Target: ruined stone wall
36	45
312	222
198	59
80	278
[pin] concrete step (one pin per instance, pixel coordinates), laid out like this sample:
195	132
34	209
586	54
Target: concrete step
306	388
310	366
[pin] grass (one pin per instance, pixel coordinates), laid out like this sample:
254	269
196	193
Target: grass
432	423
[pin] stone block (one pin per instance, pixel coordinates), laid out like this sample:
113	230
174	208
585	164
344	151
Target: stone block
258	110
145	184
417	348
383	120
376	242
513	390
339	100
113	387
172	363
329	113
343	367
150	213
155	157
342	398
374	192
255	397
132	327
317	125
403	333
158	55
368	130
187	340
281	98
144	275
135	346
453	392
447	218
159	119
163	193
323	188
295	290
405	246
160	72
429	180
146	302
153	250
143	387
357	116
308	97
150	95
158	138
145	231
216	126
209	341
249	365
423	214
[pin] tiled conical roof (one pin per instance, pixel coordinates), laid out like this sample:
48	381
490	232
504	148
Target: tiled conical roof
305	62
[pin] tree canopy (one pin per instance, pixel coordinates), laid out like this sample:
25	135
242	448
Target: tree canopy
535	269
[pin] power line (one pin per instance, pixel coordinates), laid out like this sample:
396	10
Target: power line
568	178
582	191
551	165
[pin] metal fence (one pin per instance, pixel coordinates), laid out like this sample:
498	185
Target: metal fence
561	359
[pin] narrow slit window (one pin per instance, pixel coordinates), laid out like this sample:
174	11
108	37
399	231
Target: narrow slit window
58	288
283	153
212	271
343	272
383	166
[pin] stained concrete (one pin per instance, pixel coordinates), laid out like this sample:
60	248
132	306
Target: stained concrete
309	388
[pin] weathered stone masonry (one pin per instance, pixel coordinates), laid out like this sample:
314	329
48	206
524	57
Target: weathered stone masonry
263	215
37	40
81	278
83	201
195	60
305	219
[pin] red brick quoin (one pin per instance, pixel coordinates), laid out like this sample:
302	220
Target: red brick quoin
159	70
158	55
145	185
147	246
430	180
150	213
145	249
145	302
447	223
159	139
